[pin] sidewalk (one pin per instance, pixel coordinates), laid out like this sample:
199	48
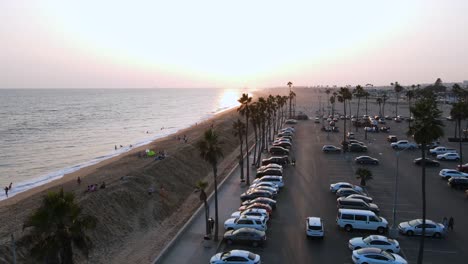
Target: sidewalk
190	246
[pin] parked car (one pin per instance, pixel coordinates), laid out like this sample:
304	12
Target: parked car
388	117
252	212
429	162
353	141
350	203
463	168
278	180
285	138
392	138
343	192
270	171
350	135
314	227
330	148
262	200
265	184
414	227
255	222
458	183
450	173
252	194
285	134
282	160
257	206
336	186
403	144
366	160
276	150
448	156
441	150
235	256
376	255
317	120
366	199
245	235
375	241
291	121
355	147
272	190
283	144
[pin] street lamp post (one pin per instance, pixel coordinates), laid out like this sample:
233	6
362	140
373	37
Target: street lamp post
394	232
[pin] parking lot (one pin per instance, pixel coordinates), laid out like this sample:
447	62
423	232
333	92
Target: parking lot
306	193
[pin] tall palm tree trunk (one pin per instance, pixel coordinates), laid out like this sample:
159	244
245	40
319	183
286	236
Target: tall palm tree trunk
241	158
423	191
247	145
215	175
357	112
460	141
396	106
344	123
207	213
366	103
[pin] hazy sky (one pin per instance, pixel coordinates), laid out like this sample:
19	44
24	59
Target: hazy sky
230	43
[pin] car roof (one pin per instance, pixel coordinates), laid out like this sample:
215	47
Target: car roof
339	183
353	211
377	237
236	252
370	250
254	217
314	221
248	229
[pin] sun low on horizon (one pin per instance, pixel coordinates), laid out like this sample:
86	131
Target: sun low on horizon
114	44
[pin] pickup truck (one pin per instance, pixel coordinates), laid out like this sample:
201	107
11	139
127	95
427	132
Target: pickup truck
403	144
441	150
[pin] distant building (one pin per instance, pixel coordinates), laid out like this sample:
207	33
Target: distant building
465	83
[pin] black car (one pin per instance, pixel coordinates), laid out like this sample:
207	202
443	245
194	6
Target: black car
366	160
263	200
278	151
429	162
245	235
458	182
343	192
281	160
249	195
270	171
392	138
354	147
283	144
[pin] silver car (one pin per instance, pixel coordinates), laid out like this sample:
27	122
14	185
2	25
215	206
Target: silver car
414	227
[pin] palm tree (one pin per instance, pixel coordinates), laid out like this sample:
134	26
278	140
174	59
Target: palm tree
459	112
410	96
58	226
211	151
290	98
238	130
343	95
358	92
426	128
201	186
379	101
398	89
244	110
364	175
292	95
254	121
327	91
384	100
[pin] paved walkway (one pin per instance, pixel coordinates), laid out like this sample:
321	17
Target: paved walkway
190	246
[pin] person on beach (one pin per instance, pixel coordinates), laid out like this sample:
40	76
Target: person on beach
6	191
451	222
115	147
103	185
9	187
78	180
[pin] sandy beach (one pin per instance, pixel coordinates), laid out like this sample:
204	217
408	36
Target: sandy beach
133	226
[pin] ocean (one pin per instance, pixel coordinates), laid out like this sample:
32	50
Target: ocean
46	133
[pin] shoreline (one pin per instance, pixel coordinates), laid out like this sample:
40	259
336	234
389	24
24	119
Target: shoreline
95	162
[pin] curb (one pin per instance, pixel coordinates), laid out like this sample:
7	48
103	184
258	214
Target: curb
190	220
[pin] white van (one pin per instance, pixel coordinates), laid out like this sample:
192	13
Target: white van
351	219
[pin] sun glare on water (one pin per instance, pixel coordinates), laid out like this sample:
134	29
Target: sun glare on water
229	99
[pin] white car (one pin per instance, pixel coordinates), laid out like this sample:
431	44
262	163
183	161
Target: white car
314	227
376	255
256	222
336	186
403	144
448	156
278	180
382	242
235	256
449	173
265	184
271	166
414	227
441	150
317	120
252	212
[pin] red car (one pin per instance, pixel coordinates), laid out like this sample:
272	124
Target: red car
257	205
463	168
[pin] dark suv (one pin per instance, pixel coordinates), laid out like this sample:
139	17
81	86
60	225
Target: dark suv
282	160
355	147
458	182
350	203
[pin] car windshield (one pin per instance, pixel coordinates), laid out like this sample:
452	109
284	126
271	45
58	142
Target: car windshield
387	255
251	256
367	240
414	222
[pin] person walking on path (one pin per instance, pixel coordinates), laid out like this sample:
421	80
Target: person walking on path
451	223
6	191
445	222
